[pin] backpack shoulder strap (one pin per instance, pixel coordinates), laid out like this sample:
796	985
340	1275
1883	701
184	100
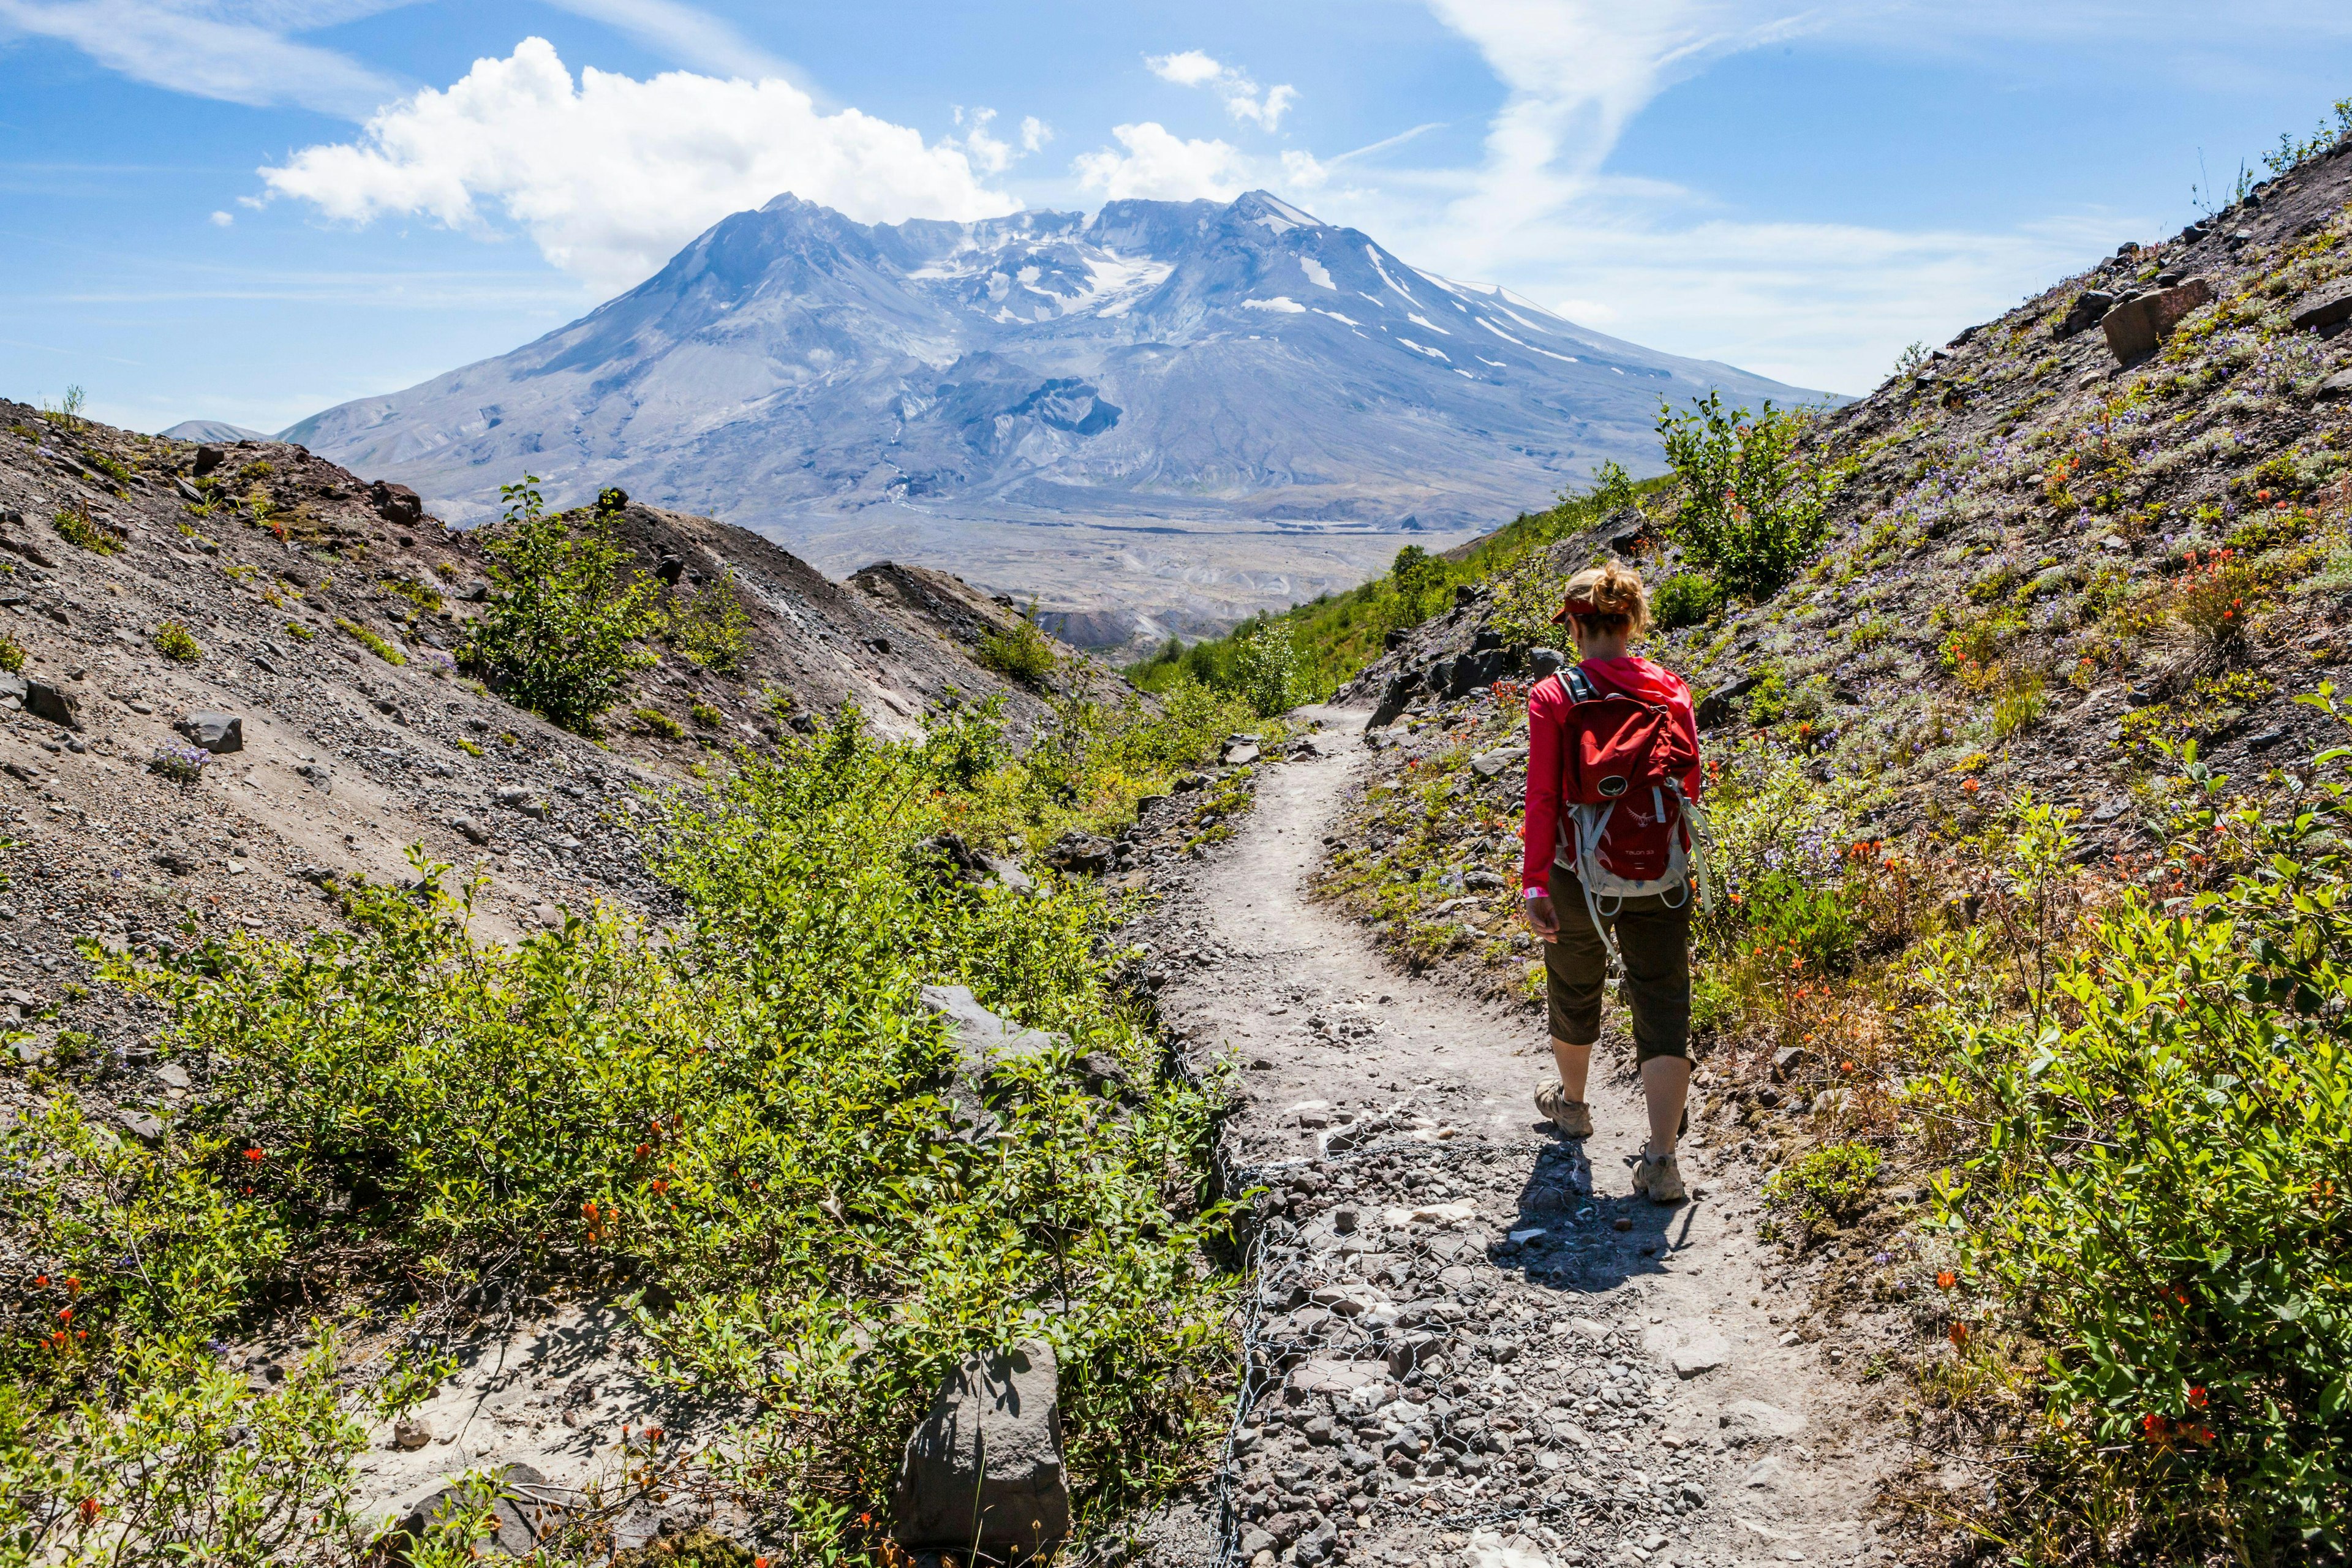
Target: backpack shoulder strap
1578	685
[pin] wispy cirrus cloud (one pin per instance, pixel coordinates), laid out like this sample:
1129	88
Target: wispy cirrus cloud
252	51
240	53
687	35
1678	267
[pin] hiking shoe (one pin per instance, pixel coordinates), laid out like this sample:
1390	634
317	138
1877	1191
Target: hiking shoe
1572	1117
1659	1179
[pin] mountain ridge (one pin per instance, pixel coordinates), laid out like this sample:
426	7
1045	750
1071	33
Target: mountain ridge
1174	412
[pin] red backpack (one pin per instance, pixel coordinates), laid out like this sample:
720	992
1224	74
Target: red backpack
1624	822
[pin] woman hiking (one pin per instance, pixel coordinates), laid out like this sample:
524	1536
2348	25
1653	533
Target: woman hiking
1570	724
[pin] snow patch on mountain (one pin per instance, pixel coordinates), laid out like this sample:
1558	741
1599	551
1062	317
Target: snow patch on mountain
1123	412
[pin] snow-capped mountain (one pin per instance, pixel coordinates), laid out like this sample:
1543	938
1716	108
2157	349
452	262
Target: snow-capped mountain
1175	411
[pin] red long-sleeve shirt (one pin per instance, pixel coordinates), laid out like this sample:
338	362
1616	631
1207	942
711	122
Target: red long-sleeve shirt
1628	674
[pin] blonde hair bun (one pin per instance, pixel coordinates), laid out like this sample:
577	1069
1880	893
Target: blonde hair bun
1619	601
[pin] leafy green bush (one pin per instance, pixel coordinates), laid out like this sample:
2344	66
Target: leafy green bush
2019	704
1612	489
747	1110
1416	581
1754	506
12	654
1806	916
1019	652
654	722
563	615
2159	1192
1819	1190
176	643
962	745
76	529
423	595
1265	669
1685	599
710	626
384	648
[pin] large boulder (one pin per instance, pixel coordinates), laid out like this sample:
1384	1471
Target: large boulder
984	1044
2324	307
215	730
526	1508
983	1472
1391	705
43	700
2086	309
396	504
2136	325
1718	705
1086	854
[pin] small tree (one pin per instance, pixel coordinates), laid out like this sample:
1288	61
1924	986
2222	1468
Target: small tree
1753	505
1612	490
1416	576
564	611
1019	652
1265	669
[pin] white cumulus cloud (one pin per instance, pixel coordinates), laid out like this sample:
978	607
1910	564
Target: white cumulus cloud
1190	69
1243	99
1159	165
611	175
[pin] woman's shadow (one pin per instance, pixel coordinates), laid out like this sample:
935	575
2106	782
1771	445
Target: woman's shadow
1566	1239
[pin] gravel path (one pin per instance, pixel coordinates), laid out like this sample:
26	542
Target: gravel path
1469	1343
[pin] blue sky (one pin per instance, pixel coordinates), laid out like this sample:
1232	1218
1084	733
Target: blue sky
253	209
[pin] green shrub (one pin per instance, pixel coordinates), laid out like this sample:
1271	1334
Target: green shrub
963	745
2019	704
1525	596
175	642
654	722
1265	669
423	595
705	716
383	649
747	1108
1806	916
1417	582
1018	652
2163	1196
563	615
1612	489
12	654
1871	631
1819	1190
1685	599
1775	699
1754	506
299	632
76	529
710	627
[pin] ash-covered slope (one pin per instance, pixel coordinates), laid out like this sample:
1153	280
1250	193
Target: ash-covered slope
1188	409
283	608
2063	538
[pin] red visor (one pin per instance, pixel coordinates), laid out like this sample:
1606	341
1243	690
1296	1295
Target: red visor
1576	607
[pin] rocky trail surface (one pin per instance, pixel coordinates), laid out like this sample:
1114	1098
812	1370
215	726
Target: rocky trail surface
1468	1342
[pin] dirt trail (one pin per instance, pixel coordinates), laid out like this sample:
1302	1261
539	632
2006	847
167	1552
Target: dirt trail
1434	1384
